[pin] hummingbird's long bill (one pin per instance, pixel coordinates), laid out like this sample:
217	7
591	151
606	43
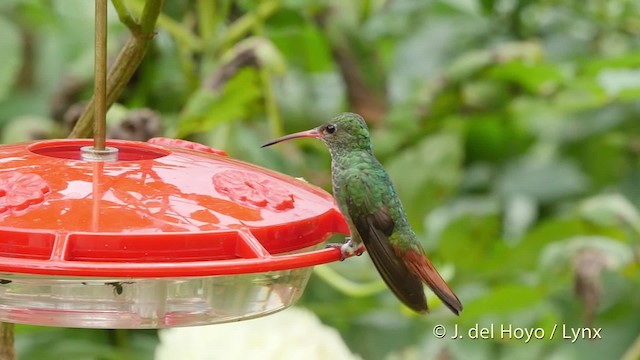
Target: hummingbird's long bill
313	133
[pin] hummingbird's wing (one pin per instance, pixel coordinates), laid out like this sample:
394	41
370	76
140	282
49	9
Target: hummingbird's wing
374	225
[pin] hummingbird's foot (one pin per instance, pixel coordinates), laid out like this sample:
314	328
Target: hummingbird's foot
349	248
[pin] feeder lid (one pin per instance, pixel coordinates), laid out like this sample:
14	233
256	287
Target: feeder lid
165	208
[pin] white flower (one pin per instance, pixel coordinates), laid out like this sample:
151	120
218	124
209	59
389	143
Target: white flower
291	334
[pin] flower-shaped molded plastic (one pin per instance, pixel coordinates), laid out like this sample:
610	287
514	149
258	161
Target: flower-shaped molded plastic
19	191
253	189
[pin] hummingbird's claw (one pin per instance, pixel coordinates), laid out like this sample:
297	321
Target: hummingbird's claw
348	248
338	246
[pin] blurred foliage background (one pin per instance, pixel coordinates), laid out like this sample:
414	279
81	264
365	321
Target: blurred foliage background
511	129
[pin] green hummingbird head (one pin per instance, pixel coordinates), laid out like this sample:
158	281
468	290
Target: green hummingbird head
343	133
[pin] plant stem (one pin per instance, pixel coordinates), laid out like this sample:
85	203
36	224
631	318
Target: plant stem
149	16
273	113
7	351
271	106
347	286
100	73
364	11
125	65
181	34
125	16
206	22
186	42
246	23
633	352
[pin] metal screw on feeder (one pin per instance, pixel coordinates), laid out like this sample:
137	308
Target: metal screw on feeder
151	235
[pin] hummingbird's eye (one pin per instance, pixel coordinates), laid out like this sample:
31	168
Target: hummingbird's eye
330	129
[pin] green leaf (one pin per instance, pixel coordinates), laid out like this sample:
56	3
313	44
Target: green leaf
537	78
503	300
309	99
207	109
487	5
485	94
544	180
561	253
628	60
493	137
11	46
301	43
520	213
525	255
27	128
610	210
469	64
267	54
618	81
442	217
473	234
435	164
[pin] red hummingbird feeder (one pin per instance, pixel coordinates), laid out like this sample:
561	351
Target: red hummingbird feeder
123	234
161	234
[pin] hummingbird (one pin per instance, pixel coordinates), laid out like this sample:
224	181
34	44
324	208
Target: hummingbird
375	216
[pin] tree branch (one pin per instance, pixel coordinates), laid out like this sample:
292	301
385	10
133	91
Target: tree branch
125	16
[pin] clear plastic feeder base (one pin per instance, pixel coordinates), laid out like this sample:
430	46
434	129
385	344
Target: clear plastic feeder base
147	303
